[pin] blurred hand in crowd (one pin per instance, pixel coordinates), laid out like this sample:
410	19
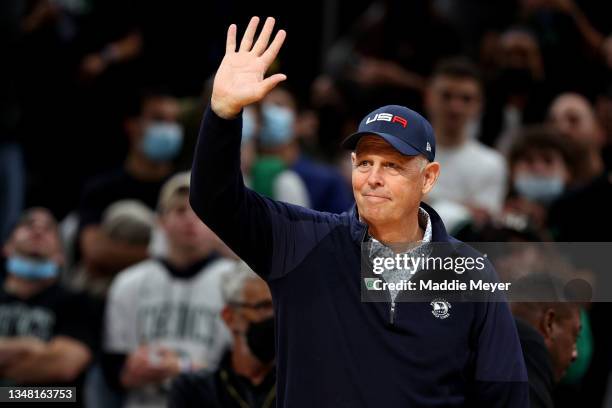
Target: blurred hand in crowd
149	365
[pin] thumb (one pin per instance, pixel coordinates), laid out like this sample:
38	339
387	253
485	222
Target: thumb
269	83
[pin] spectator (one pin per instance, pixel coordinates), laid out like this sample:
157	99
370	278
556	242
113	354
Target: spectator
162	314
472	183
155	139
542	166
386	56
568	39
548	332
517	94
246	376
326	189
269	173
45	330
574	116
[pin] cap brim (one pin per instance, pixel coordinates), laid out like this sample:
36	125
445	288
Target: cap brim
350	143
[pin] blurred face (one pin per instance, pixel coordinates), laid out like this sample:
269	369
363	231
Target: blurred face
183	228
387	185
281	97
520	51
574	116
156	109
452	103
562	342
256	306
543	163
36	236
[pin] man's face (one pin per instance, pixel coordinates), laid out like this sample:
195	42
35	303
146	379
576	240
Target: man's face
156	109
256	306
182	226
562	346
36	236
573	115
452	103
387	185
542	163
520	50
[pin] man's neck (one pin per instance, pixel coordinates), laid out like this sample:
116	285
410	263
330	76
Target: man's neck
448	139
182	258
25	288
143	169
392	233
249	367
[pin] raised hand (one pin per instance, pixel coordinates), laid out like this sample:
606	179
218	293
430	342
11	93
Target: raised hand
240	78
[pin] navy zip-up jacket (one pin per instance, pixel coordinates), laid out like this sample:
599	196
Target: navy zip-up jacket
333	350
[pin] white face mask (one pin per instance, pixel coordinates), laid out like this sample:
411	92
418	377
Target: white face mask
542	189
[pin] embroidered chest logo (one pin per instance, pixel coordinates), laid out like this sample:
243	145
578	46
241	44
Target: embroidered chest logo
440	308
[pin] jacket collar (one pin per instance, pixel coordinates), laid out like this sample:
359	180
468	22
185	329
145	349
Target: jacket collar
359	229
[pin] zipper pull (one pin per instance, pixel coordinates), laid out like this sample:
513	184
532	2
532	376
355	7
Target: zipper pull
392	311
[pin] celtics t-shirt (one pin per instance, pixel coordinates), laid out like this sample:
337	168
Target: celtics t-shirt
53	312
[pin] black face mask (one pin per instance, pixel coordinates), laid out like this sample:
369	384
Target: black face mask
260	338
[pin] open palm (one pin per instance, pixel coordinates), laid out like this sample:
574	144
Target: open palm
240	78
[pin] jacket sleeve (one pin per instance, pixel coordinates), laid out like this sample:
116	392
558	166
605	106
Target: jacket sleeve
501	376
271	236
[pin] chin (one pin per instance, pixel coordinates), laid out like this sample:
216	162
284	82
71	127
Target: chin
374	213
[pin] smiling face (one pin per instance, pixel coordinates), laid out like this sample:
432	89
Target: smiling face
387	185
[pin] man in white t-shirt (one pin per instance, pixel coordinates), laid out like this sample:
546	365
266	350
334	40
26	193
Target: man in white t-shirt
472	184
162	315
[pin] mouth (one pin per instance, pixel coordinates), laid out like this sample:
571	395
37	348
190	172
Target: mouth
373	198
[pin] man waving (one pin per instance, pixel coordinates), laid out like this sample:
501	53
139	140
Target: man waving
332	349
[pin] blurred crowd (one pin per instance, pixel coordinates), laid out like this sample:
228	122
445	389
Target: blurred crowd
111	283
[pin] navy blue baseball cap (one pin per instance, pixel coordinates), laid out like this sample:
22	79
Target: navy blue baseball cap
410	133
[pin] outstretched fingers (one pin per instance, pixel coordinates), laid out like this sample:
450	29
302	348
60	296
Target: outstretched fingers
270	82
249	33
230	42
264	36
274	48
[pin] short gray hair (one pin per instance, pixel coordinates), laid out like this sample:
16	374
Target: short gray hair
232	285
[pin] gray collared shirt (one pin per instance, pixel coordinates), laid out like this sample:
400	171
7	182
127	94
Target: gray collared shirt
380	250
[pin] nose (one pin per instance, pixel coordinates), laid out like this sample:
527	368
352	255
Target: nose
375	177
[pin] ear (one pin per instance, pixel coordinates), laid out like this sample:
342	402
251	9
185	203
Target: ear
227	314
546	324
430	176
353	158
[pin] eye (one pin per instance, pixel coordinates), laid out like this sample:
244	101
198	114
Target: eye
363	163
392	166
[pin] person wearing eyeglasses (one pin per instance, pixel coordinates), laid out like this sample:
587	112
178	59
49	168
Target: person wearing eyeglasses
246	377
